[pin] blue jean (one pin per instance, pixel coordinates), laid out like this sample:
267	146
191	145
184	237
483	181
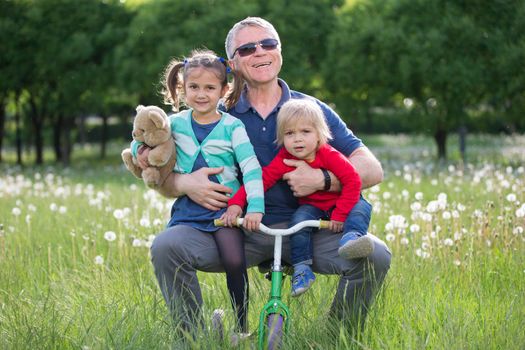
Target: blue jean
301	243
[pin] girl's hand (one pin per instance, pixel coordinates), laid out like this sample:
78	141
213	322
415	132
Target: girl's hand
336	226
230	216
252	221
142	156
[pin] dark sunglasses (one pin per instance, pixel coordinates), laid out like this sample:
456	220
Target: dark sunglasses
250	48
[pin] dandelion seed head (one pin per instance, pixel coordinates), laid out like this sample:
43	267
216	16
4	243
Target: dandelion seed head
387	195
404	241
16	211
110	236
416	206
457	262
99	260
118	214
144	222
136	243
448	242
53	207
446	215
511	197
518	230
390	237
62	209
419	196
414	228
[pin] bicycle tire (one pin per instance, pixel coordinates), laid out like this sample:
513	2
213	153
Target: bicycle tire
275	325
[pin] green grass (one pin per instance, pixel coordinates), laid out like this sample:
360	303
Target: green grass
456	281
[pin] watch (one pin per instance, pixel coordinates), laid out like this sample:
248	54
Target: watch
327	180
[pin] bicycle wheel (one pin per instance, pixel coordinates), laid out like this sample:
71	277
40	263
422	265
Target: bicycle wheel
275	323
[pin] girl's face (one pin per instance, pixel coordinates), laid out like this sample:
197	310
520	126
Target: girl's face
203	90
301	140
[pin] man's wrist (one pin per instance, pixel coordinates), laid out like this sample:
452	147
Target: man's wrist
327	180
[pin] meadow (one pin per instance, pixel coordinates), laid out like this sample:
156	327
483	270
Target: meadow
75	270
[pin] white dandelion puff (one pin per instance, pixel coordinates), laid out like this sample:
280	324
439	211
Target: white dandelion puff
62	209
110	236
390	237
419	196
414	228
118	214
53	207
511	197
99	260
16	211
136	243
446	215
448	242
404	241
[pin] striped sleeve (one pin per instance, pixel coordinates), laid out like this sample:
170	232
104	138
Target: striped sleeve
250	168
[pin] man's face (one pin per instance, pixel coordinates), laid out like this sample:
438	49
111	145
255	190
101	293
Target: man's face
261	66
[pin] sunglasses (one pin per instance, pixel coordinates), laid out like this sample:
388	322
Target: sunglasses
250	48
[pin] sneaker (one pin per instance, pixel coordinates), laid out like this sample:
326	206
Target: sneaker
302	281
353	246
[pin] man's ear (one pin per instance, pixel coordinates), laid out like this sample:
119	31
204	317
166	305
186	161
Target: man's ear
231	64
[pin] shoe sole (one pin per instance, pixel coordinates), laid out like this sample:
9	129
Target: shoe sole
300	291
358	248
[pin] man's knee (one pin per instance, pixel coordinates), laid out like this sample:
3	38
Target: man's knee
166	244
380	259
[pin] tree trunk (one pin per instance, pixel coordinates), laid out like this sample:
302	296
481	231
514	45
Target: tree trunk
104	137
65	140
82	130
18	133
37	121
2	123
440	136
57	136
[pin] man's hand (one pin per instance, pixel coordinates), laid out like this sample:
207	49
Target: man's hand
230	216
202	191
304	180
336	226
252	221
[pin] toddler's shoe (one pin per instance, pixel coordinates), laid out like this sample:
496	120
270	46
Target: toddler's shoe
302	281
353	246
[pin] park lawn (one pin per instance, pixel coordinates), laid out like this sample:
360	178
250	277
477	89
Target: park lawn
75	270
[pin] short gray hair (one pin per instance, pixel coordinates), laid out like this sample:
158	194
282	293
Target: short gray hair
248	22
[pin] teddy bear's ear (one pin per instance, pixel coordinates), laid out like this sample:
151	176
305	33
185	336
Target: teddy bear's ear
139	108
157	119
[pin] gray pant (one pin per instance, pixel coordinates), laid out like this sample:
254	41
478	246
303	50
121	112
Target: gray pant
179	251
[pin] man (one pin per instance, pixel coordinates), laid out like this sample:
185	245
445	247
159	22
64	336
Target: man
177	252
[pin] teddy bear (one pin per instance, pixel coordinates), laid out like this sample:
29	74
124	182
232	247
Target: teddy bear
152	127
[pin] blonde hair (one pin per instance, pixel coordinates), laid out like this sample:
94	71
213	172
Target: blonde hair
297	111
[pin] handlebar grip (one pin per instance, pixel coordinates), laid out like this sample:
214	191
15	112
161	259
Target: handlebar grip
324	224
220	223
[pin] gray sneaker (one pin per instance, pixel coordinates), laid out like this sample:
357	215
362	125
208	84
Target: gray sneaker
352	246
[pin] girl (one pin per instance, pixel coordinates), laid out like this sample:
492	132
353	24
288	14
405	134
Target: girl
206	137
302	129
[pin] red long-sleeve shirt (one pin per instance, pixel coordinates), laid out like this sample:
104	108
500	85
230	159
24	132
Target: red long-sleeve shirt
327	158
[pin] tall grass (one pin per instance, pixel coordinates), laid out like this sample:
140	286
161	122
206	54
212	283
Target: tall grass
456	281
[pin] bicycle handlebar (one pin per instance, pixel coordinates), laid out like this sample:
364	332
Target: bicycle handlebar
280	231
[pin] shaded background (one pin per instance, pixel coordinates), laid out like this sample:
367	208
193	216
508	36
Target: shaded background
72	72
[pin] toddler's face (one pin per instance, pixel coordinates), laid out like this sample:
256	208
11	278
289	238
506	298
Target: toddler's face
301	140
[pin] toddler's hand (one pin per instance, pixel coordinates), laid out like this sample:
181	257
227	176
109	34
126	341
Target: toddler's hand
252	221
336	226
230	216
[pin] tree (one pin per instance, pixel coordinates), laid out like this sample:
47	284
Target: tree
433	52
